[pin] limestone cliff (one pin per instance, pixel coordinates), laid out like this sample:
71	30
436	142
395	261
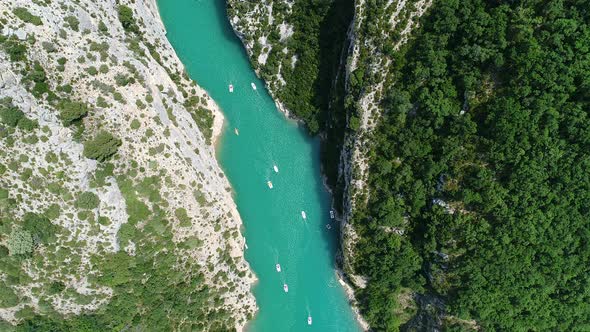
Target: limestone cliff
365	71
109	186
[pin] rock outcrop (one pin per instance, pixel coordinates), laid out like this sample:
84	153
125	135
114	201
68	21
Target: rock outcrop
76	69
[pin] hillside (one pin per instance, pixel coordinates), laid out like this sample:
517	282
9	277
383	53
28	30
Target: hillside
463	134
113	210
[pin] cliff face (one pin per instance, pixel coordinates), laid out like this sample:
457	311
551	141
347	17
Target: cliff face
354	111
109	185
368	70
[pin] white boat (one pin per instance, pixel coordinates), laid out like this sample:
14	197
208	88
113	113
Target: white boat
276	168
286	288
328	226
237	131
269	184
245	245
303	215
253	86
231	88
278	266
308	320
331	214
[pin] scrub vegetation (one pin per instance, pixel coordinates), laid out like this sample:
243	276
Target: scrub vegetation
100	229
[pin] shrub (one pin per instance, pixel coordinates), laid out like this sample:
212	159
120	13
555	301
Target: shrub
92	70
123	80
102	146
26	16
49	47
87	200
10	115
126	18
16	50
73	22
27	124
20	242
71	111
182	216
103	27
135	124
56	287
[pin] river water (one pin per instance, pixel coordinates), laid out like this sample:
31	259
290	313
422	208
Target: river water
275	231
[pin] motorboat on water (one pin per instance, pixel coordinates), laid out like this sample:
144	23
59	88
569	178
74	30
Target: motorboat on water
331	214
308	320
276	168
278	266
286	288
303	215
253	86
231	88
328	226
269	184
236	131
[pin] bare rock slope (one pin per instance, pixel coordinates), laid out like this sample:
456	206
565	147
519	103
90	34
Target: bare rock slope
111	198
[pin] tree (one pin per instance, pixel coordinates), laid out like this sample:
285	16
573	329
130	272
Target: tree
40	228
16	50
126	18
71	111
102	146
10	114
20	242
87	200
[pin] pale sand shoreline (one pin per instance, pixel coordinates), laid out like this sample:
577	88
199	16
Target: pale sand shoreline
238	244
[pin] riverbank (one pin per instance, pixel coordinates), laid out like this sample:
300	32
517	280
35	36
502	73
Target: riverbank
350	293
273	224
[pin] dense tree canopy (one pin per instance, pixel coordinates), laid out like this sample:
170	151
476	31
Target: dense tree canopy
102	146
482	161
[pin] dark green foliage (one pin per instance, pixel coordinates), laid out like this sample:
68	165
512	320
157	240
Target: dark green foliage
71	111
16	50
37	76
26	16
27	124
151	290
319	36
202	117
12	116
102	146
482	160
126	18
40	228
103	27
56	287
73	22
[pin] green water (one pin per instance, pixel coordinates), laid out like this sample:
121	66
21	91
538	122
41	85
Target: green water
273	226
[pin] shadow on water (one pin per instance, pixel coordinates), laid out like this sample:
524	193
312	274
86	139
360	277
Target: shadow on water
205	41
224	25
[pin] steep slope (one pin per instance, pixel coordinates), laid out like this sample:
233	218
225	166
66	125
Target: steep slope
295	46
114	212
475	213
463	158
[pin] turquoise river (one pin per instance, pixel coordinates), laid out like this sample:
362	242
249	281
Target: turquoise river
274	228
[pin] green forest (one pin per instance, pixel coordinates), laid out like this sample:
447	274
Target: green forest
482	162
